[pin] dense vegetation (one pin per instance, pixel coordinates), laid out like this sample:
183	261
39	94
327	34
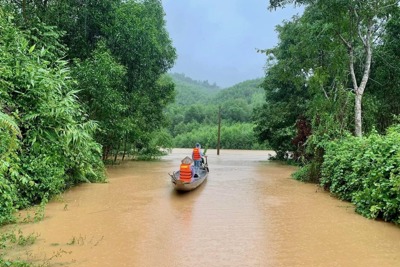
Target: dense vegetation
334	74
194	115
79	82
366	171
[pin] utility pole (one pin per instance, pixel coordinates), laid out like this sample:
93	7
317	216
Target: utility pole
219	130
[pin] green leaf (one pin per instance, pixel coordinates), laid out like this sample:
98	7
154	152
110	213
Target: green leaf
32	48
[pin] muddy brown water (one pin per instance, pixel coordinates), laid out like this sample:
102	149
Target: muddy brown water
248	213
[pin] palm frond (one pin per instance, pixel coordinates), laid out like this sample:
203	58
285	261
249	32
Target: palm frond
9	123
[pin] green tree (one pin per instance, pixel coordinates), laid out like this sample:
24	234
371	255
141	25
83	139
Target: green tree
385	76
102	96
286	89
83	22
139	40
356	25
56	149
135	33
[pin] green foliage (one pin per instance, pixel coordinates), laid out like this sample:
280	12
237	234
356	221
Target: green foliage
287	87
196	119
121	50
310	66
189	92
366	172
56	148
9	133
9	143
249	91
303	173
352	28
331	120
102	81
383	92
91	19
160	143
138	39
273	125
233	136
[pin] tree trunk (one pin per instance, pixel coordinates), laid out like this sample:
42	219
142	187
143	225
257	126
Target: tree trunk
125	141
116	153
358	115
359	89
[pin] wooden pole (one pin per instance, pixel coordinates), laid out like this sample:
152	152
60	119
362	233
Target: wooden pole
219	130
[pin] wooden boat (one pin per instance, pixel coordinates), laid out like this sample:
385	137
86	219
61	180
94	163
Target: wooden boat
180	185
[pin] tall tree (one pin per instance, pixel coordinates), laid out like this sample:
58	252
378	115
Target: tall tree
84	22
138	38
102	95
385	76
357	25
136	35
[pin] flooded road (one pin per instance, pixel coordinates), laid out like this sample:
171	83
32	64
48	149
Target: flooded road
248	213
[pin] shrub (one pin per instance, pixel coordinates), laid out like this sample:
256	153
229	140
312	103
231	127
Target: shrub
366	171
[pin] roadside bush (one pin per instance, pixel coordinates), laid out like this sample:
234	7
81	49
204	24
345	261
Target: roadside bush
366	171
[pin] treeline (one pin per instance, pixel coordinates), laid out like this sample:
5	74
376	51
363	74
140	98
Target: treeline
194	115
182	78
332	98
80	81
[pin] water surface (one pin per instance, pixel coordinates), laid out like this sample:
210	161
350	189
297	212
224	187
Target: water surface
248	213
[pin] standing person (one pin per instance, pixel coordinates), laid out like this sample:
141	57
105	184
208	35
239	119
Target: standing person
197	156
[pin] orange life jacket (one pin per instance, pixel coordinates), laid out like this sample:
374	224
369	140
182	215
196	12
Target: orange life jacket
196	154
185	173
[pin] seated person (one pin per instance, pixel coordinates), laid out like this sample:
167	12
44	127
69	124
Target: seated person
186	170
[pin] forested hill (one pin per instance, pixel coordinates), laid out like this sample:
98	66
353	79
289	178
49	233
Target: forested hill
249	91
189	91
194	114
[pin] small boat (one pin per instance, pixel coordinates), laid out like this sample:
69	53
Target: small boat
196	180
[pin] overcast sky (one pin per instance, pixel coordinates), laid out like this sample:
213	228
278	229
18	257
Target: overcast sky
216	40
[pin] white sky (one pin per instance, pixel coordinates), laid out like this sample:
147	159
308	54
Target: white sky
216	40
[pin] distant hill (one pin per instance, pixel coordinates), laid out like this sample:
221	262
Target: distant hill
190	91
249	91
194	115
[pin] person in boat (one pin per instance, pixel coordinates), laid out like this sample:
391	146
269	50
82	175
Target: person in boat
197	157
186	169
